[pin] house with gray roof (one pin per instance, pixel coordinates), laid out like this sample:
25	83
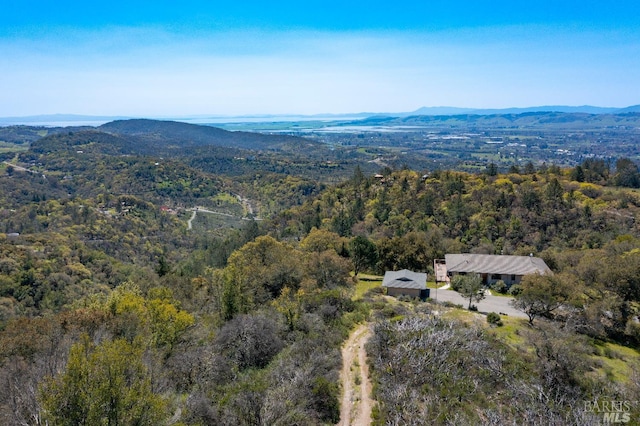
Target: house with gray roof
492	268
406	283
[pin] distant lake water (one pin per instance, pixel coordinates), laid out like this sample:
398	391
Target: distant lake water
210	120
54	123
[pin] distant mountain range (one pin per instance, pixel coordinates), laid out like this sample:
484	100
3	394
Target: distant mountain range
63	120
587	109
520	120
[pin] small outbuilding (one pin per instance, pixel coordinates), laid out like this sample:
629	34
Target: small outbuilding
406	283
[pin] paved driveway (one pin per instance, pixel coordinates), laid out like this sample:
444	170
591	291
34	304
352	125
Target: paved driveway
497	304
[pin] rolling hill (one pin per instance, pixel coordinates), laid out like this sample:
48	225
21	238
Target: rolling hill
185	135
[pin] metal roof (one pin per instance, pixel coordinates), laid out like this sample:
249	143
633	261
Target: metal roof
405	279
496	264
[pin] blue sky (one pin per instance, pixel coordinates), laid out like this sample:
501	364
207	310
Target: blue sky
167	58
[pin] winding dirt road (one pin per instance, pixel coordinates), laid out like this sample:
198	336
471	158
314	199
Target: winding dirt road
356	404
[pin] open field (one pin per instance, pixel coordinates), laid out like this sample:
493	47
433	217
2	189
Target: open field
366	283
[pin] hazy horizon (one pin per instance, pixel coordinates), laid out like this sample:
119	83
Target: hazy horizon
71	120
330	114
194	58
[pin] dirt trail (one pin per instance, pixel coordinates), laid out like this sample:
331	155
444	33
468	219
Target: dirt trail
356	404
190	221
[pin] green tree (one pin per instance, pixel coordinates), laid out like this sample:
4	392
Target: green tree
163	267
228	298
358	177
106	384
595	170
471	288
541	295
411	251
457	214
382	207
342	223
554	191
363	254
167	322
577	174
255	274
319	240
627	173
530	197
289	305
529	168
328	269
157	315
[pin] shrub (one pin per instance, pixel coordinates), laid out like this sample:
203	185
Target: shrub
515	289
250	340
326	399
494	319
375	290
499	286
456	282
379	304
388	311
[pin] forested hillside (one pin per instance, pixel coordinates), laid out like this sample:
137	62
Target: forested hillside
183	135
113	307
511	213
585	230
